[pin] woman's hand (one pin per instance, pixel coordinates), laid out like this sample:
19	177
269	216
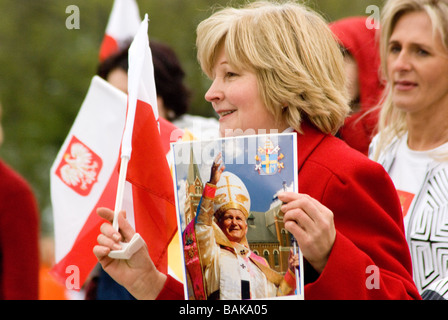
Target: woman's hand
137	274
312	224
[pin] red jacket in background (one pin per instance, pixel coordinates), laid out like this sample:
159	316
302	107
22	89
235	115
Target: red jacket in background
362	44
19	238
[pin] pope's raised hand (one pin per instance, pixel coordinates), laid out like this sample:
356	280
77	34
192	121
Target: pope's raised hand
216	170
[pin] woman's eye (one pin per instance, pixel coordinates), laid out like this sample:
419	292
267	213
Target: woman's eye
422	52
231	74
394	49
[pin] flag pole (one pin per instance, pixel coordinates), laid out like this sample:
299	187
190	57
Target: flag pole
131	247
120	190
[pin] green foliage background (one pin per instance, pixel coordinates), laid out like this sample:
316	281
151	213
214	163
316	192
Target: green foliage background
45	70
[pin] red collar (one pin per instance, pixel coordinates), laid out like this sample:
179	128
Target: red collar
307	142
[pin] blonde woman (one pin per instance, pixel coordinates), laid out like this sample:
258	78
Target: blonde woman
412	143
276	68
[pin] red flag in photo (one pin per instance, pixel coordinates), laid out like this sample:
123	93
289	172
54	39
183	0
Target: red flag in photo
124	21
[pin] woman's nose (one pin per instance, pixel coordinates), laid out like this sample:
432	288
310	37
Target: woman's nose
214	93
402	62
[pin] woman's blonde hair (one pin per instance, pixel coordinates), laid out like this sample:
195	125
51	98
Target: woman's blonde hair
293	53
392	121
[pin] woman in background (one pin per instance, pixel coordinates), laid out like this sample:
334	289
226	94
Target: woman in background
412	143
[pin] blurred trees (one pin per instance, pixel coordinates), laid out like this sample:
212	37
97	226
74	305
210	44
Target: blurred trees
45	69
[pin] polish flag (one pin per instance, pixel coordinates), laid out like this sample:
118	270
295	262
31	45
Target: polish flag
149	184
85	173
124	21
84	176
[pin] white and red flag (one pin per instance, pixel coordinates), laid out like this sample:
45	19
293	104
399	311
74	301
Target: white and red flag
148	181
124	21
85	174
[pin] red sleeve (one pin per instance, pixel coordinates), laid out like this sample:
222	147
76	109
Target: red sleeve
370	257
172	290
19	238
209	191
348	264
290	279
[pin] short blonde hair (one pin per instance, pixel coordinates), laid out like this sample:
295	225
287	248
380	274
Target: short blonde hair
392	121
293	53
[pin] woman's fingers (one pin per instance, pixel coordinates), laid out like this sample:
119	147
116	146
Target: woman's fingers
287	197
108	230
105	213
126	232
293	200
100	252
308	213
299	216
108	242
312	225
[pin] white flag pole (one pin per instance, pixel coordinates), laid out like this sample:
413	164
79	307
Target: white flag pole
120	190
134	74
127	248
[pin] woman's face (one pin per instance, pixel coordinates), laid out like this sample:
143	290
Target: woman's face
352	84
235	97
119	79
417	66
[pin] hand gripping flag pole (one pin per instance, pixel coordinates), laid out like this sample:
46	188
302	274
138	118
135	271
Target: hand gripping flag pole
136	63
131	247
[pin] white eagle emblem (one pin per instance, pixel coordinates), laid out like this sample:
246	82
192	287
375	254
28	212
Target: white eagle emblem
79	167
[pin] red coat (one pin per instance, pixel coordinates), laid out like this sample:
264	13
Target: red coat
370	239
19	238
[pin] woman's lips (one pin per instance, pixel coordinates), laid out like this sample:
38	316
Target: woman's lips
405	85
225	113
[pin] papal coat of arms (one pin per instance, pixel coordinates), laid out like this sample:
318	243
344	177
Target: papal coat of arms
268	159
79	167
